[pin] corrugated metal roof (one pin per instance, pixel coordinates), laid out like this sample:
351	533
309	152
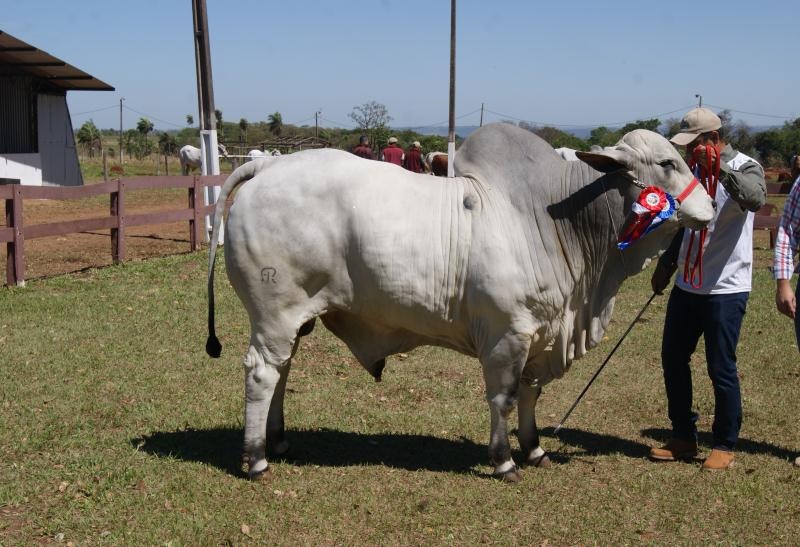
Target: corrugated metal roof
18	58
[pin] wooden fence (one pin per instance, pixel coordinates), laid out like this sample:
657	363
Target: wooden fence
15	233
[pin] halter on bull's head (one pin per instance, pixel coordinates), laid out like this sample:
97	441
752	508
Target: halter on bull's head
649	160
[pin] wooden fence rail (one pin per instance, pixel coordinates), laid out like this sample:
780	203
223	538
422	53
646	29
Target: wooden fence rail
15	233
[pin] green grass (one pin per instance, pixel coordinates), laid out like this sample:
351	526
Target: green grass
92	168
115	428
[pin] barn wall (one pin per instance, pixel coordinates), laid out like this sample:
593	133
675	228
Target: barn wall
57	151
17	115
25	168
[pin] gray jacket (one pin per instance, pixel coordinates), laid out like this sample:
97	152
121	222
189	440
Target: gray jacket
745	185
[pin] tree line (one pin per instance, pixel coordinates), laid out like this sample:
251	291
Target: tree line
773	147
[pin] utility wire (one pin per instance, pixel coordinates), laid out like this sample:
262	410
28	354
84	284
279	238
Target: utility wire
126	107
505	116
439	124
301	121
753	113
98	110
343	126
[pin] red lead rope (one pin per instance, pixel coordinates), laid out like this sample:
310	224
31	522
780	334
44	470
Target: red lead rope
693	273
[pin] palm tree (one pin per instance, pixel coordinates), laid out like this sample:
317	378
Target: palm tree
243	125
144	126
89	136
220	127
275	123
167	144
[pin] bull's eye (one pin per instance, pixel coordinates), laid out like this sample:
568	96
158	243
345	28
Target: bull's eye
667	163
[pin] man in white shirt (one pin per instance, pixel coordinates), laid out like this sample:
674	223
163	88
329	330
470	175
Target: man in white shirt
711	290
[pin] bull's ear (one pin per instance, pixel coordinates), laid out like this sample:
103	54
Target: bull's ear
606	160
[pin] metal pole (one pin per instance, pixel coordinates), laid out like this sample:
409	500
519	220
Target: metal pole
699	100
481	115
451	133
205	98
596	374
120	130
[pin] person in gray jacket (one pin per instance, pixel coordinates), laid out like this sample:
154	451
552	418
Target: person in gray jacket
711	290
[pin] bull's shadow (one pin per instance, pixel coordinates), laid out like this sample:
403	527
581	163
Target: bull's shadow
222	448
574	443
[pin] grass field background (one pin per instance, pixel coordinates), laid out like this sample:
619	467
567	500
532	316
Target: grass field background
116	428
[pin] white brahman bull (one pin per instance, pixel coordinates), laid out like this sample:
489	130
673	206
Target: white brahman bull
569	154
256	154
190	157
514	262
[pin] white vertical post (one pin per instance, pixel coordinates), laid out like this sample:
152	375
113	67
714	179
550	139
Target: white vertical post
451	134
209	157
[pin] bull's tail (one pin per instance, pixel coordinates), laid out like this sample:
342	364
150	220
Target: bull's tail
240	175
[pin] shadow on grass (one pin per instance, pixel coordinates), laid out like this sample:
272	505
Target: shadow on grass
222	448
150	236
592	444
747	446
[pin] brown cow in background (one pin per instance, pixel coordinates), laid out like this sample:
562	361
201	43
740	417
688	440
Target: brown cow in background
437	163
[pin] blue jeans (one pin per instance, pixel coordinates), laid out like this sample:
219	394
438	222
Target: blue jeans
718	318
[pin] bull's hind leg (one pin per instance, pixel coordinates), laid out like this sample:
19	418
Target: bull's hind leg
527	432
266	371
276	435
276	429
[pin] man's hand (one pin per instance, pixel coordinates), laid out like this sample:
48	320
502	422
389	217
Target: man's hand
662	276
785	299
700	154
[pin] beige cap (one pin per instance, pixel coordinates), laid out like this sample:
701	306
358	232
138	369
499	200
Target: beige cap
416	144
392	140
694	123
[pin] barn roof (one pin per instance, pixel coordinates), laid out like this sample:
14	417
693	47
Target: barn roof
20	58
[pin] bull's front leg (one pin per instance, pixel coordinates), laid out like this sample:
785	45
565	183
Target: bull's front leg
501	371
261	380
529	391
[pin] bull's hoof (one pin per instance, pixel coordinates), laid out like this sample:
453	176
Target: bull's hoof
512	477
279	448
542	461
261	476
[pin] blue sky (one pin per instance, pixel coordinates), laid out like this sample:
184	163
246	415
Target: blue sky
567	63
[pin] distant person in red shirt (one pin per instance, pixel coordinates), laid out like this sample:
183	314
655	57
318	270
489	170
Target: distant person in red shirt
393	153
363	150
413	160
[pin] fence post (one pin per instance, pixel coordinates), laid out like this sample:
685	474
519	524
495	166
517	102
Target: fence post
15	258
118	233
195	233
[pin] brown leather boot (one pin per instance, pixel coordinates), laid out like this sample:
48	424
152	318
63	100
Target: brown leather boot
718	460
675	449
